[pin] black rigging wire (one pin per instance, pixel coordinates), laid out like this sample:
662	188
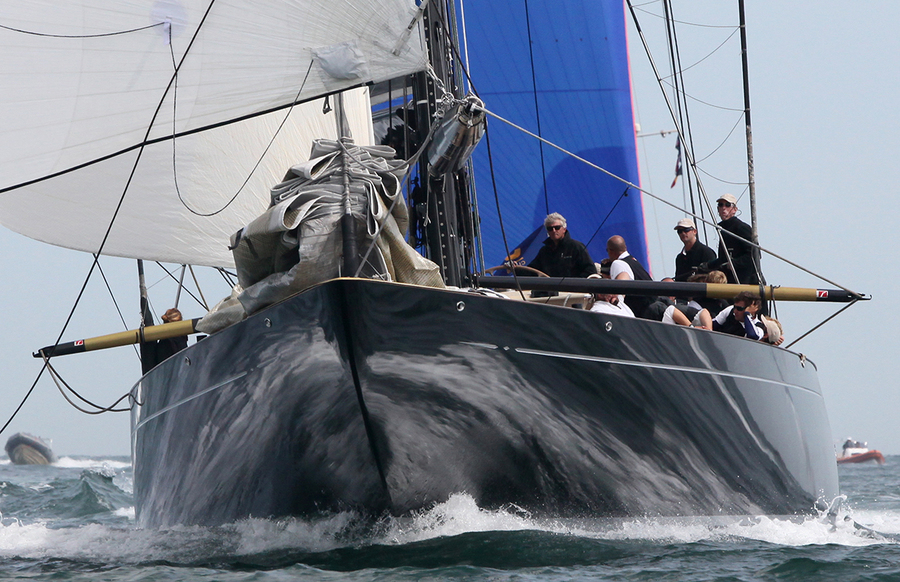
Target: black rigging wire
116	303
608	214
174	278
258	161
537	109
701	101
98	35
115	215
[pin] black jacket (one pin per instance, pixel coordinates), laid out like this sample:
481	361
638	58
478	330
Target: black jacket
569	258
741	252
685	263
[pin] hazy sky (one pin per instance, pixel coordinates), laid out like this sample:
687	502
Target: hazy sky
824	93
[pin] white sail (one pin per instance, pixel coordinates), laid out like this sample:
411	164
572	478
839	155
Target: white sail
81	111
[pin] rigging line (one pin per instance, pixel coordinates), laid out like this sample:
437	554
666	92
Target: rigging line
197	285
258	161
686	151
681	71
698	100
680	103
115	303
22	403
100	409
718	228
724	141
171	276
835	314
512	269
697	24
115	214
226	276
721	180
608	214
537	110
98	35
156	140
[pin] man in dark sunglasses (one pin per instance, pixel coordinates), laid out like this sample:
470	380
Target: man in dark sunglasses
561	255
693	254
741	251
741	318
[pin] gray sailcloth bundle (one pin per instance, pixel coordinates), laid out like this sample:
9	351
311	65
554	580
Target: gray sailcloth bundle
298	242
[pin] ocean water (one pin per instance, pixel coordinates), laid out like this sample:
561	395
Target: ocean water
75	521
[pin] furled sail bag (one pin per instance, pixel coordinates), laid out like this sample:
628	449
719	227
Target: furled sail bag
298	241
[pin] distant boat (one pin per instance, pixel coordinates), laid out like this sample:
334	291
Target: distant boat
857	452
26	449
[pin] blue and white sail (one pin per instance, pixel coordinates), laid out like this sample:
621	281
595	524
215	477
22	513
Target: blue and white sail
560	70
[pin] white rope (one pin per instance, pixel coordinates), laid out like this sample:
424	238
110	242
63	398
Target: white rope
666	202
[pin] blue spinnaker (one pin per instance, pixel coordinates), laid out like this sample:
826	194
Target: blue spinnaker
559	69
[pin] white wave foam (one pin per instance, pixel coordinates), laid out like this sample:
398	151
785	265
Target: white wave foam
459	515
70	463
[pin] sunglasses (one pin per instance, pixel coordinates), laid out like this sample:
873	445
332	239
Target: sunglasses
681	230
555	227
740	307
725	204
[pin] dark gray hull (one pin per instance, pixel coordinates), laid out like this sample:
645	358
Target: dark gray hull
374	396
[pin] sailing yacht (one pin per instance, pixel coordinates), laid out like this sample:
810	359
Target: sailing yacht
347	371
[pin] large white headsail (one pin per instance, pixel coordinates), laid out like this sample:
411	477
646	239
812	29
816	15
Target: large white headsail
88	116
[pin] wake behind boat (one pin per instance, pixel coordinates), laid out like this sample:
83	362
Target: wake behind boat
349	372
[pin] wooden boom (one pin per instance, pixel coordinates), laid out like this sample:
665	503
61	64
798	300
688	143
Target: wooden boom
670	289
123	338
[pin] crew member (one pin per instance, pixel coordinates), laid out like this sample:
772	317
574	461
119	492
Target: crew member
155	352
625	266
561	255
740	250
693	254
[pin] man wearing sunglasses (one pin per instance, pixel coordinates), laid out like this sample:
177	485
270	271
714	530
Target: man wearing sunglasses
561	255
740	319
740	250
694	253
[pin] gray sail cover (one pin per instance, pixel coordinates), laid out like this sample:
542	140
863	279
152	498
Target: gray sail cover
298	241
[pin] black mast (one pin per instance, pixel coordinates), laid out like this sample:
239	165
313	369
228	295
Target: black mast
450	228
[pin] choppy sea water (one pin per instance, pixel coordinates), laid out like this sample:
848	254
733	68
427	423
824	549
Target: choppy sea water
75	521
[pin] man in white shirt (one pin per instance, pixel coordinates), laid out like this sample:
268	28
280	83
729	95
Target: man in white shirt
612	305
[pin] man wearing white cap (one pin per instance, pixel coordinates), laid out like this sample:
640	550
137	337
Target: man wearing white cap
740	250
694	252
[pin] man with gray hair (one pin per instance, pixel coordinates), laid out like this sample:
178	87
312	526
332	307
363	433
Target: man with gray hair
561	255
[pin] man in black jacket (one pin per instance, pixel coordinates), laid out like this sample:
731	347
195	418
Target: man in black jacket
561	255
694	253
740	250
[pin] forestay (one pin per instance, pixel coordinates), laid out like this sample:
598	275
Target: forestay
81	108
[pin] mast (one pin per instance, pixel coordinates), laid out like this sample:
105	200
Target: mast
146	317
448	232
751	181
348	228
